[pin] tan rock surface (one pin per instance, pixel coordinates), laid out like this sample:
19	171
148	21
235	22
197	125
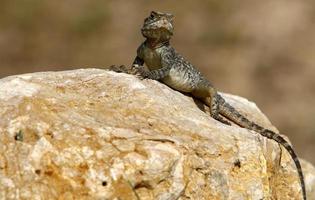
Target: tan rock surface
95	134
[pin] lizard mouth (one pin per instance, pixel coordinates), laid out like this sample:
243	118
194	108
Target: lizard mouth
161	32
158	24
157	29
153	27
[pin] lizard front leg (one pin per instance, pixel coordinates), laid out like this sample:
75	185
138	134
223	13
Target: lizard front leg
156	74
135	69
138	63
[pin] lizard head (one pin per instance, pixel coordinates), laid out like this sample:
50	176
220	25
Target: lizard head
158	25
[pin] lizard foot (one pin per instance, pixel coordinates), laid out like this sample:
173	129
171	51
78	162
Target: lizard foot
140	73
221	119
118	68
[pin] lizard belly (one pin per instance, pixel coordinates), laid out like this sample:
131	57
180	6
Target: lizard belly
178	80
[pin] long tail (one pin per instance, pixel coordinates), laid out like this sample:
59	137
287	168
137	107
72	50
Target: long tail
232	114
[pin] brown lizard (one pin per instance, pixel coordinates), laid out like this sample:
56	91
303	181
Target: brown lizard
168	66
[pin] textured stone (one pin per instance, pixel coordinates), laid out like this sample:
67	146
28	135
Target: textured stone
96	134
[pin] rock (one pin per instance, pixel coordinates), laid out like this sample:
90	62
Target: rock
96	134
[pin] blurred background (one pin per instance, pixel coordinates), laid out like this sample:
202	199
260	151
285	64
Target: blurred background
261	50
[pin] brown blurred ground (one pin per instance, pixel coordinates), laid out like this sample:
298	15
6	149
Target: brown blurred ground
262	50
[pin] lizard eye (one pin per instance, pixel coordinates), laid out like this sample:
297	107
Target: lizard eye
153	14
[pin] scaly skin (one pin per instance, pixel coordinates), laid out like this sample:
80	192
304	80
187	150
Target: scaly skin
168	66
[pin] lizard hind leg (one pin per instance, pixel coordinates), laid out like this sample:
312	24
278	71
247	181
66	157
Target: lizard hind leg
213	103
205	91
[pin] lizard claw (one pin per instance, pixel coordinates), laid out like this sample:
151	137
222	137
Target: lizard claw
120	68
139	75
138	72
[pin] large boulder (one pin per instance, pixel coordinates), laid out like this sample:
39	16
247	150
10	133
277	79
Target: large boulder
97	134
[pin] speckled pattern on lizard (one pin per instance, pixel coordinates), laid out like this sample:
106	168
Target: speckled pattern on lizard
168	66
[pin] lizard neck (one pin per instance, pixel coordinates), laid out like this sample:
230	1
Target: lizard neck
154	43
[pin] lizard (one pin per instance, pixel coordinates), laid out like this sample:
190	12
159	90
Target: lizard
166	65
